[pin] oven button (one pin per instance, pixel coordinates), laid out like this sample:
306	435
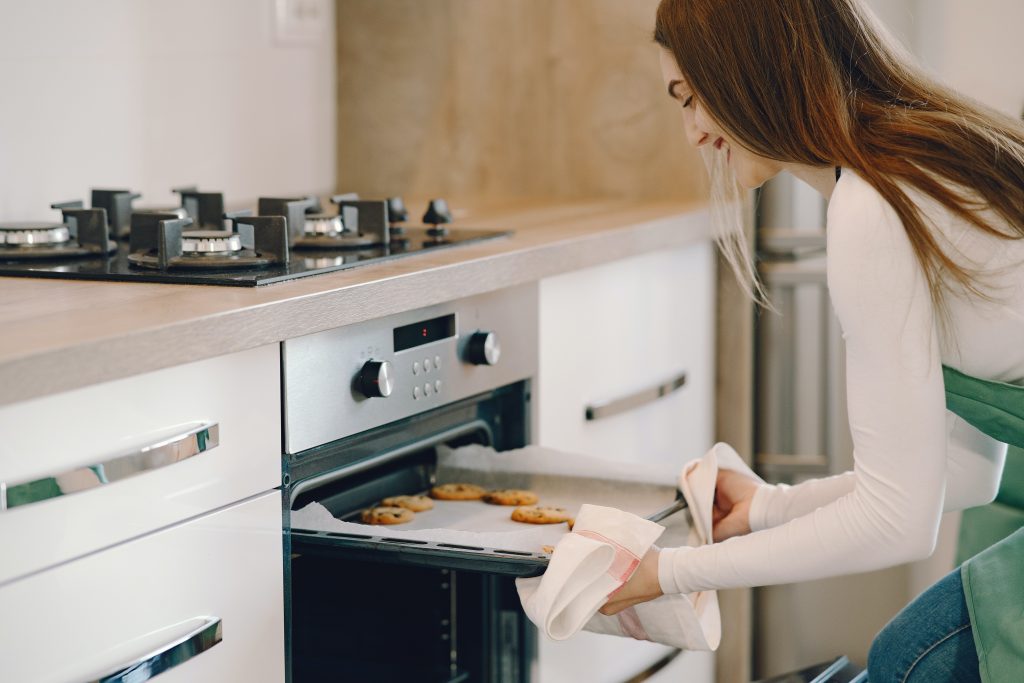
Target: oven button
416	368
437	362
428	388
437	386
426	364
375	379
483	348
416	392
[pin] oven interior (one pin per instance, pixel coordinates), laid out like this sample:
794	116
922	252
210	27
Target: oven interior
366	609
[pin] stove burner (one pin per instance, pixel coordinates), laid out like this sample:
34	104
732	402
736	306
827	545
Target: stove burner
358	224
30	234
84	232
327	231
159	242
210	242
323	225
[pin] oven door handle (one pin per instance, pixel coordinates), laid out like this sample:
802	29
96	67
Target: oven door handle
394	454
167	656
637	399
192	439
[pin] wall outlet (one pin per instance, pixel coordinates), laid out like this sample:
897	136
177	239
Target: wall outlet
301	22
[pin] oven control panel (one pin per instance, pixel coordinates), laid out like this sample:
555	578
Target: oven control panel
344	381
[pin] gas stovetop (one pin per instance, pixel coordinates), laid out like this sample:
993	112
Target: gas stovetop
200	243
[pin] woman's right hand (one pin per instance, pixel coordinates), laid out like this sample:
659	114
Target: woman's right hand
730	515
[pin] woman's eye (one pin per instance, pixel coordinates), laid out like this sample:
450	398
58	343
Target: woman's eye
687	101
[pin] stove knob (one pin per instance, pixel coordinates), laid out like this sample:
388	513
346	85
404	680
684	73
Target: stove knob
483	348
397	213
437	214
375	379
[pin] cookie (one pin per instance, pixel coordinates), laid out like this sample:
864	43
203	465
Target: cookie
387	515
457	492
510	497
414	503
540	514
547	549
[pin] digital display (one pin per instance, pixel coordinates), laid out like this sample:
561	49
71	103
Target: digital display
417	334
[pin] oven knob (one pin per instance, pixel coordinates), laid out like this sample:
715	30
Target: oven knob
483	348
376	379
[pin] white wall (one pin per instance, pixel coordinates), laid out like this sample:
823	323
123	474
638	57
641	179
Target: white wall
154	94
975	47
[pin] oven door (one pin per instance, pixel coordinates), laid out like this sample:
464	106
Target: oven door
363	608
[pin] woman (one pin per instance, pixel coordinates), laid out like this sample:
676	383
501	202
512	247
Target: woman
925	270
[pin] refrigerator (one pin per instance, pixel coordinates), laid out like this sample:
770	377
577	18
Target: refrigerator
801	431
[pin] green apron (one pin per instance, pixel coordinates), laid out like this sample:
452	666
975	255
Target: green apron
994	578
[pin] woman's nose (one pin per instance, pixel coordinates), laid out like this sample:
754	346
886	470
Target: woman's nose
698	132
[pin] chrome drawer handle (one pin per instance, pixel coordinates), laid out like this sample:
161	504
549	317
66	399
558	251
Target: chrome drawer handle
179	651
635	400
198	438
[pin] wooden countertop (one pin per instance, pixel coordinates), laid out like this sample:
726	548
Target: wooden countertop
64	334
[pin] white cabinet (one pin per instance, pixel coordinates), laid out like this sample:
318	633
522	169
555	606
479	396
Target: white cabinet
54	445
619	330
141	512
609	335
87	618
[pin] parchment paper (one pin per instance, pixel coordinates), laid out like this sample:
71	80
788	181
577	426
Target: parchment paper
559	479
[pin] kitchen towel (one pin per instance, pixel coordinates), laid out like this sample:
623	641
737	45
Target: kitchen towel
603	551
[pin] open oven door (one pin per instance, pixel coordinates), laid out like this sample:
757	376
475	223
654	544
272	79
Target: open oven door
361	607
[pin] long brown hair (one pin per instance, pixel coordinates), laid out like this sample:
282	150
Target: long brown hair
818	82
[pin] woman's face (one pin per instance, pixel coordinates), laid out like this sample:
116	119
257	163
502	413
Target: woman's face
751	170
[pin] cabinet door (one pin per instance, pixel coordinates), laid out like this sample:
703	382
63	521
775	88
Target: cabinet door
188	439
621	330
101	613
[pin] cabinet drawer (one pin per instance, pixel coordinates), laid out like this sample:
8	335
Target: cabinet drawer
57	445
619	331
100	613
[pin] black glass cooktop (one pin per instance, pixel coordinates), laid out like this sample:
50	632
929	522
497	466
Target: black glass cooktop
302	263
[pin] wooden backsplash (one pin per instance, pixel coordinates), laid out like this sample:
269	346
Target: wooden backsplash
505	99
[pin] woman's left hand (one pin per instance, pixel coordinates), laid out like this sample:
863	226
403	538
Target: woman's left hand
642	586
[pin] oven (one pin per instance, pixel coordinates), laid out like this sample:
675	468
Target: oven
366	408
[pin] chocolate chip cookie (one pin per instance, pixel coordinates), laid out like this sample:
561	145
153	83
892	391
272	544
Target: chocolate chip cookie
540	514
510	497
414	503
387	515
457	492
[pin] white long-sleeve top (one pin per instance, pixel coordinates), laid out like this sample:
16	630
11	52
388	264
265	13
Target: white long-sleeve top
912	458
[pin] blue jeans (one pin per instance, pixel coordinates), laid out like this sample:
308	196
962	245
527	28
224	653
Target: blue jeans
929	640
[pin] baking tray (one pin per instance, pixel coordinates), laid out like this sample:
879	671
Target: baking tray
474	536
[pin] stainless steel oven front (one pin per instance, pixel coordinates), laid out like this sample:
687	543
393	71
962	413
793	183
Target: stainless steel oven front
365	409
